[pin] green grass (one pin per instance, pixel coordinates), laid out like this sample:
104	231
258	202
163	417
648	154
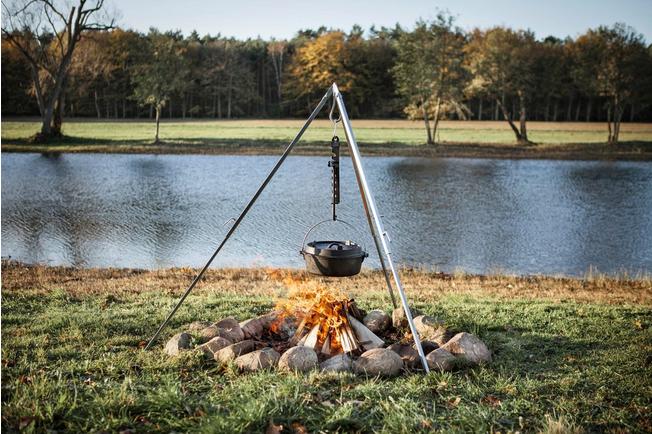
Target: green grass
367	131
71	362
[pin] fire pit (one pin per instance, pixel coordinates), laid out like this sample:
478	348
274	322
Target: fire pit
314	328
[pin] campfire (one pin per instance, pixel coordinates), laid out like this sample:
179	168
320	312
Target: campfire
331	324
317	327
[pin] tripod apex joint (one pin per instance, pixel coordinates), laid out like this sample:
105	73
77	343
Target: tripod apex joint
379	234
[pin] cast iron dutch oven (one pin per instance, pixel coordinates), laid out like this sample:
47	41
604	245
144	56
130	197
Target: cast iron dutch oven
332	258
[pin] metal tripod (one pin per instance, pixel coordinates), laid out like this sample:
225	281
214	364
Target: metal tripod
379	234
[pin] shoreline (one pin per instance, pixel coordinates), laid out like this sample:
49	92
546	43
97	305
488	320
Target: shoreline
629	151
420	285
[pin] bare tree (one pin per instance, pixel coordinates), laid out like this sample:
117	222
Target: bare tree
46	33
276	50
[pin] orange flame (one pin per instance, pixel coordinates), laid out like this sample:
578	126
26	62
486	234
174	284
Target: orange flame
312	304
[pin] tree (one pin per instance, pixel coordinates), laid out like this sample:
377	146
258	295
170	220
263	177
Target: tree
163	71
623	68
320	62
46	33
16	82
429	71
276	51
92	66
503	66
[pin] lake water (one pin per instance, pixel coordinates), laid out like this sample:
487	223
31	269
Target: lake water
476	215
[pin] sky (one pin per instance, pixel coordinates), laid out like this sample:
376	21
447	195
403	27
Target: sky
281	19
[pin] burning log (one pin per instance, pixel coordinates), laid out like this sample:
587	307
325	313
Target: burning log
329	326
310	340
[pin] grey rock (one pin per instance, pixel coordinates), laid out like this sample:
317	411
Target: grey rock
409	355
379	361
196	326
208	333
337	363
377	321
399	320
301	359
432	329
231	352
441	360
255	327
469	347
178	342
261	359
230	329
214	345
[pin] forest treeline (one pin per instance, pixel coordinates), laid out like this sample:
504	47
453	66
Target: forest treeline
430	72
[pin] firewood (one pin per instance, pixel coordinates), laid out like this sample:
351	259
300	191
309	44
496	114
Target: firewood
366	337
299	333
347	339
326	348
310	340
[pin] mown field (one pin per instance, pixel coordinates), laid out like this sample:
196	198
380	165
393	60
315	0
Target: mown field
385	137
569	356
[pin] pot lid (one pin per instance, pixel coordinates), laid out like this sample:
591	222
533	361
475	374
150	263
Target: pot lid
335	249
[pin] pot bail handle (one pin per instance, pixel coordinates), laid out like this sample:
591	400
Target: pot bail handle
303	243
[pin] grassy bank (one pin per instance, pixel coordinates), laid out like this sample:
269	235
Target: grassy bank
377	137
568	355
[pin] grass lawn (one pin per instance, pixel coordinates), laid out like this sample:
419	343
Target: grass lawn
569	355
458	138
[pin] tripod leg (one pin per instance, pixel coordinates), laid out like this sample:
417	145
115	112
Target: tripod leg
244	212
376	225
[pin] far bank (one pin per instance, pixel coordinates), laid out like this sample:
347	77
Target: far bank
472	139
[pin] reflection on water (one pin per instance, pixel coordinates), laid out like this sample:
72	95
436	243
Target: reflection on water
519	216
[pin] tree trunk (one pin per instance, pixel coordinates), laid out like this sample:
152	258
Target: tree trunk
158	120
508	118
429	140
619	109
480	109
97	105
610	137
124	107
53	98
495	111
632	112
106	105
219	105
589	106
214	111
115	108
436	121
570	108
57	117
555	111
183	106
151	111
190	104
577	110
546	113
522	119
228	98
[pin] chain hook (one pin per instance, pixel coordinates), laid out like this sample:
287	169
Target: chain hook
334	121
